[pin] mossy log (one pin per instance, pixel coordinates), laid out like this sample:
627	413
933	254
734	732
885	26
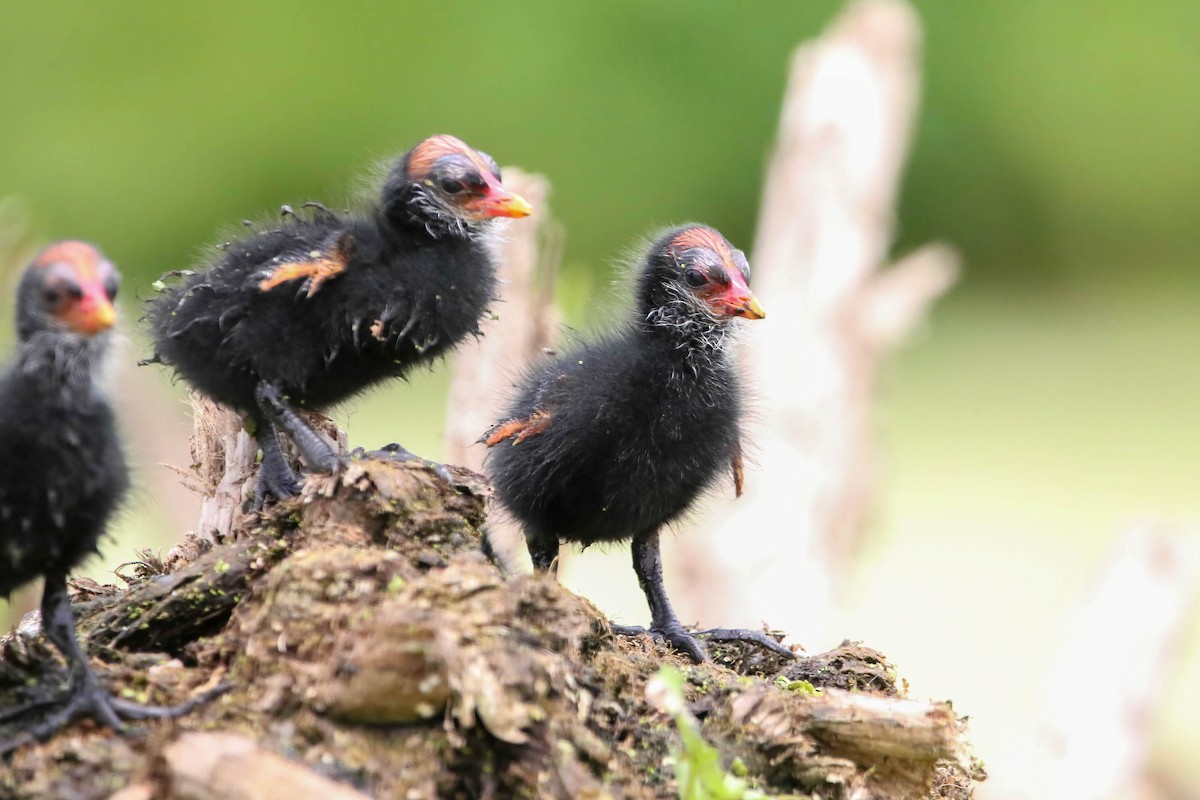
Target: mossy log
374	651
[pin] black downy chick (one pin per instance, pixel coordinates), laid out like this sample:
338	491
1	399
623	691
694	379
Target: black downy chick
619	436
63	471
323	306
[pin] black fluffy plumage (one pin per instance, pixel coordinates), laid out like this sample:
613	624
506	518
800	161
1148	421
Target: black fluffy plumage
620	435
325	305
63	473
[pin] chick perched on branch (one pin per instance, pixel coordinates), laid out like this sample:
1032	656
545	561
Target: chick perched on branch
327	304
63	471
618	437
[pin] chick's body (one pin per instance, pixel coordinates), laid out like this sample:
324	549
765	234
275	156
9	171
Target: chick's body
395	302
326	305
634	439
64	472
621	435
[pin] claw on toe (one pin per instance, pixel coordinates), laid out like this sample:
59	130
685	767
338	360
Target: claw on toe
89	700
272	489
677	638
692	644
752	637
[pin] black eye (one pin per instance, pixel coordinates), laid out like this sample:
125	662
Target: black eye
51	296
110	289
450	185
695	277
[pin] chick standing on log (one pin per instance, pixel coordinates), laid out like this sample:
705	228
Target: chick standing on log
324	306
618	437
62	470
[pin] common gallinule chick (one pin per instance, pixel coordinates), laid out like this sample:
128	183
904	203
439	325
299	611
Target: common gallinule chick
619	436
325	305
63	471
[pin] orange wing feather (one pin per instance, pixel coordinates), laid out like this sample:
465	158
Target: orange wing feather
319	268
739	478
316	271
519	429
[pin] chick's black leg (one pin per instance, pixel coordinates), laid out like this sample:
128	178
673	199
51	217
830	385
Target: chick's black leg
543	551
315	451
664	625
275	477
86	697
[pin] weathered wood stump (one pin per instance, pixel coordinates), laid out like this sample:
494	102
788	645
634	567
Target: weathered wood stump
372	648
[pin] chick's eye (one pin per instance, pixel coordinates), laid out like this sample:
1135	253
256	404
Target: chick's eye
695	277
110	289
450	185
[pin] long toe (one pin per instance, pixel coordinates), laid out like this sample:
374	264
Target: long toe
675	636
753	637
684	642
130	710
89	700
394	452
628	630
16	712
397	452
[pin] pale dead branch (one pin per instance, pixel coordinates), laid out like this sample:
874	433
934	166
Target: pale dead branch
520	330
833	313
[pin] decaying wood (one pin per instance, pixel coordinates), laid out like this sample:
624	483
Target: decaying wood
224	454
824	231
1092	735
224	464
903	739
221	766
369	644
171	611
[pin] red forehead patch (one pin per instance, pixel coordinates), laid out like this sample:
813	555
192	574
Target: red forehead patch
81	256
433	148
708	239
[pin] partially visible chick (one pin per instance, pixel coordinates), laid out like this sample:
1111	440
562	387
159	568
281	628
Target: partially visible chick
63	471
621	435
326	305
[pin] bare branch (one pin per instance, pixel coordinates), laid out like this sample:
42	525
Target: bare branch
523	327
824	231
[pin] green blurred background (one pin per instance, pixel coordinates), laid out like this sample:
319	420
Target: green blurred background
1051	400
